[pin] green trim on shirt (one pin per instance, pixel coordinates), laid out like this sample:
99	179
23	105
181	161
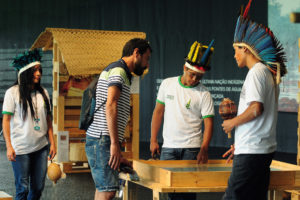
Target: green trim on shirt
185	86
7	113
158	101
207	116
116	71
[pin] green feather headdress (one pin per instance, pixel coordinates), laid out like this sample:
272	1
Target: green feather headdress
28	59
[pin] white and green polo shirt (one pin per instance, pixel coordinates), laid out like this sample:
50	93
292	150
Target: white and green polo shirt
185	109
115	74
24	137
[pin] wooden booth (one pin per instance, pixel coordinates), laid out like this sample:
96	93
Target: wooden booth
78	55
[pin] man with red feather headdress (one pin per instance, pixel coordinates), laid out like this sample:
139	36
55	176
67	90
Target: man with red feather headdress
255	136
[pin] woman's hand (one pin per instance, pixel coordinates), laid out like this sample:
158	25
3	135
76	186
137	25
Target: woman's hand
11	154
52	152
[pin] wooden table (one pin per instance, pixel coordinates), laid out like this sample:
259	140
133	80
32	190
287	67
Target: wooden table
186	176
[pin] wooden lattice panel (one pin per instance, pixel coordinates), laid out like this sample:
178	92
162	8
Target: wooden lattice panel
86	52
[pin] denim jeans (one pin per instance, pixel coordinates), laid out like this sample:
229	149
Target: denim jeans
180	154
30	172
98	153
250	177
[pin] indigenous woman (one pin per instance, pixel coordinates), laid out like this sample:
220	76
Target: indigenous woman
27	127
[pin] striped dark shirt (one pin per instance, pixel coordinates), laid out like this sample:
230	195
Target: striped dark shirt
115	74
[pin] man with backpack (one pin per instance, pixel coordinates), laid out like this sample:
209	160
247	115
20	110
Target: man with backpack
112	110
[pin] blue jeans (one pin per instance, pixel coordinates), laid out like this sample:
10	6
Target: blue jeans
30	172
98	153
249	178
180	154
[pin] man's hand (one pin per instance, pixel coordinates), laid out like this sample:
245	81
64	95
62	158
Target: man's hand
115	156
202	156
154	148
11	154
229	153
228	125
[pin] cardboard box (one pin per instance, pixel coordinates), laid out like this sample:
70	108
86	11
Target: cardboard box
63	146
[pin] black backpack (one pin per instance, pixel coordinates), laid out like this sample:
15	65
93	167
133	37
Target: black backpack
88	105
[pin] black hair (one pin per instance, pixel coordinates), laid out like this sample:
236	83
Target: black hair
139	43
26	87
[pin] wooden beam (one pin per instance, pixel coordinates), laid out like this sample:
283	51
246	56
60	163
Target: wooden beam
74	101
71	123
155	195
77	152
61	113
48	45
72	112
55	49
135	126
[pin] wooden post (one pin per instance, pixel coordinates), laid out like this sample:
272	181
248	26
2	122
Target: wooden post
295	196
295	17
135	117
155	195
125	191
135	126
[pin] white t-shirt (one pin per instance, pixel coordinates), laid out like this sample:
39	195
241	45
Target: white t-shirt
259	135
24	138
185	109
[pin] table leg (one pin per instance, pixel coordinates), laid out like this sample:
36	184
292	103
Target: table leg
125	191
155	195
131	191
271	195
275	195
295	197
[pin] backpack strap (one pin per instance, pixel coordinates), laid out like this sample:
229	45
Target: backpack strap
120	63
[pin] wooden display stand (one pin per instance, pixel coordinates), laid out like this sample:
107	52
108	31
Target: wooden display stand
187	176
82	54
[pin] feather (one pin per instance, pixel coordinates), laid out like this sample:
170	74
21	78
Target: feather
206	54
26	58
261	40
247	9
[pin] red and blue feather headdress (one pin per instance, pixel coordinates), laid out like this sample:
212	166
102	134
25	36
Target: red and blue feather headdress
262	43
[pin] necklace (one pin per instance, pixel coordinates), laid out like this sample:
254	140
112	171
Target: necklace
36	117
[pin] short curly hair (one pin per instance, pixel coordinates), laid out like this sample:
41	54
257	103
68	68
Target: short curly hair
139	43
